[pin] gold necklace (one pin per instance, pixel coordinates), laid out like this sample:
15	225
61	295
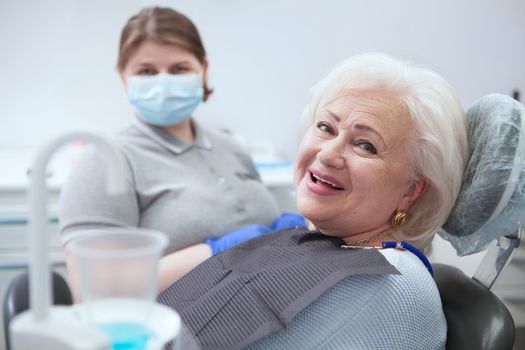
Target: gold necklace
361	242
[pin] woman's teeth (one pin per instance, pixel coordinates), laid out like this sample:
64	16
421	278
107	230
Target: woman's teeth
328	184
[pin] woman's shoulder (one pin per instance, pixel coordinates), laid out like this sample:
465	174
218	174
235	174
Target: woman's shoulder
90	164
409	265
414	283
219	136
401	311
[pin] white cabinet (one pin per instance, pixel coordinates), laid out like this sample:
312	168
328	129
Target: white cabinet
14	236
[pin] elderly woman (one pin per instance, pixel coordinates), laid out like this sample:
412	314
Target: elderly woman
381	160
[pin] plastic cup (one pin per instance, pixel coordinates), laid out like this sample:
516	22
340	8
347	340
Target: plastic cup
118	270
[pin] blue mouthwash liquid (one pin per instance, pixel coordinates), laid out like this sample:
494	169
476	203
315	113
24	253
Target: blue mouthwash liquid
126	335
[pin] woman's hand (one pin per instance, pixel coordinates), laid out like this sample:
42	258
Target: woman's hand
286	220
179	263
233	238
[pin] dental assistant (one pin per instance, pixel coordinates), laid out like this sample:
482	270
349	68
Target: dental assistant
184	179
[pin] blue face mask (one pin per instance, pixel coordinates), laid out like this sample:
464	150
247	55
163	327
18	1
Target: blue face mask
165	99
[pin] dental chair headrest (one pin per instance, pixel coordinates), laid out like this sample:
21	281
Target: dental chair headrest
491	202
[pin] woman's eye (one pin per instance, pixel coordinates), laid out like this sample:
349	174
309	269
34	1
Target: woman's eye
179	70
325	127
146	71
367	146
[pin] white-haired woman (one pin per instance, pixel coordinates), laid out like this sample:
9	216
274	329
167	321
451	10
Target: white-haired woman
380	165
429	124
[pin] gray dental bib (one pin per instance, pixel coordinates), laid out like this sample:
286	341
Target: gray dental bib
257	287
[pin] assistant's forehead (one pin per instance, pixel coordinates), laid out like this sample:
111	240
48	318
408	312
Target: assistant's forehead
160	52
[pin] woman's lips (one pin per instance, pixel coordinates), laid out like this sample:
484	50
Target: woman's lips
323	184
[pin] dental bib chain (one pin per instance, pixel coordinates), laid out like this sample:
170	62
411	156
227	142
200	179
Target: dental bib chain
360	243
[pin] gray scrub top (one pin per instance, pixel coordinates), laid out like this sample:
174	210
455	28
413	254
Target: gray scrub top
188	191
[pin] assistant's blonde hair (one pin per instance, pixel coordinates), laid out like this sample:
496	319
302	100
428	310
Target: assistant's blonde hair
439	142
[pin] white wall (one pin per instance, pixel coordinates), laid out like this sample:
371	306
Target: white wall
57	57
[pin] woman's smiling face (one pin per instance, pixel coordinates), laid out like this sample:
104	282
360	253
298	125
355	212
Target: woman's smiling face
353	167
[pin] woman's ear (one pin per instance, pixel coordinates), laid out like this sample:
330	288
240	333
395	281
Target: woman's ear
121	75
204	71
416	189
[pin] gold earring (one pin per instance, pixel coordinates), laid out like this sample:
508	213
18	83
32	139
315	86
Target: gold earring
400	218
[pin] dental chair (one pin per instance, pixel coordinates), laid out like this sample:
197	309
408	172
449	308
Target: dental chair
476	318
16	299
490	207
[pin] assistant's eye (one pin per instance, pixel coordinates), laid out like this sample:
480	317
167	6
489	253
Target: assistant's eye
146	71
179	69
325	127
367	147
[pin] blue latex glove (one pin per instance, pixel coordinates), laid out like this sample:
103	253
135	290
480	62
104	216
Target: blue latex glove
288	220
220	244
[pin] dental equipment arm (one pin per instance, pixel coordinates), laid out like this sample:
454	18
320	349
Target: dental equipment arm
38	325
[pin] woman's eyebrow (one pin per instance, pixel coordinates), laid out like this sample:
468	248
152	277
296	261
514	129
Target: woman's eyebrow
368	128
142	63
148	62
333	115
357	125
181	62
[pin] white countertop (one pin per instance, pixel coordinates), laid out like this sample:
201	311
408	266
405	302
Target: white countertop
15	164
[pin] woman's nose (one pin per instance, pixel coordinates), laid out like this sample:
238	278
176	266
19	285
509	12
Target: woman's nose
331	155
